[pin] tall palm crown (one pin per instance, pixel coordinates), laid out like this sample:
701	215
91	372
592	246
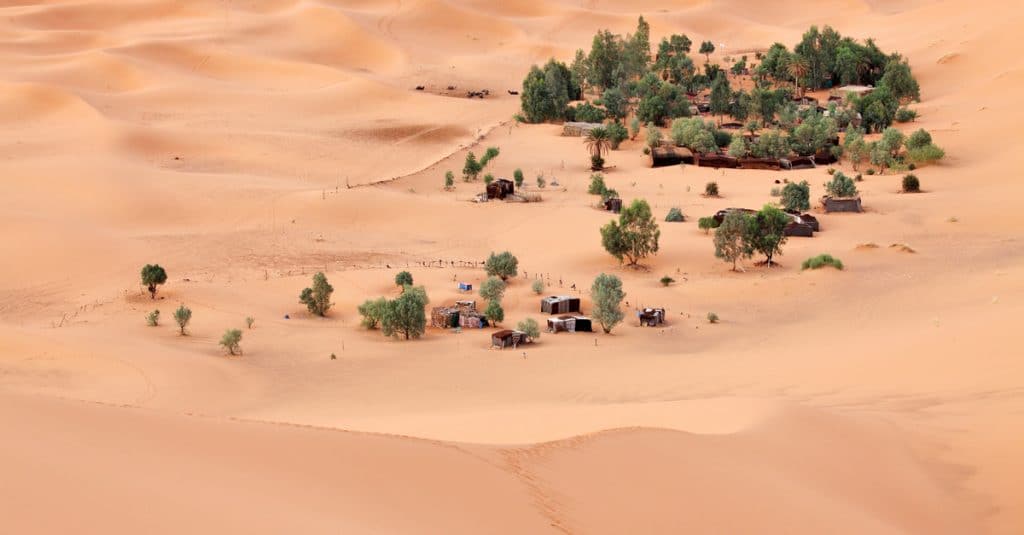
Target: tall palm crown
598	141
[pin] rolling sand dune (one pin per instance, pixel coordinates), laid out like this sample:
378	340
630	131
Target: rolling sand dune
247	145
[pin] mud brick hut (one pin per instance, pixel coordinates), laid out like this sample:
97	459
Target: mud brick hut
560	304
570	324
508	338
834	204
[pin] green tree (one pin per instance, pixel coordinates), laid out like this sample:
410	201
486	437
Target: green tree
919	139
738	146
771	144
152	276
472	167
707	223
892	141
536	99
857	149
318	298
403	279
711	189
597	185
634	128
730	238
900	81
405	316
764	103
605	57
495	314
721	96
488	178
182	316
489	154
231	341
517	176
796	197
707	48
636	53
615	103
766	231
502	265
372	311
634	236
449	180
530	327
492	289
607	295
841	186
588	113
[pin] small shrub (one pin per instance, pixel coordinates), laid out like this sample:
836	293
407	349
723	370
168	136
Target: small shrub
540	181
318	297
859	177
821	261
912	166
796	196
712	317
711	189
830	170
675	215
517	176
403	279
231	341
841	186
249	322
647	151
617	134
911	184
488	178
182	316
870	171
372	311
597	185
449	180
538	287
153	318
666	280
707	223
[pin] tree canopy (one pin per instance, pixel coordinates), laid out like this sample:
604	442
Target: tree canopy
607	295
502	265
318	297
152	276
634	236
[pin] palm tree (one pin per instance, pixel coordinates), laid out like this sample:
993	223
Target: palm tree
597	141
797	67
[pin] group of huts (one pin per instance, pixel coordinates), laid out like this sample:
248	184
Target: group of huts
801	225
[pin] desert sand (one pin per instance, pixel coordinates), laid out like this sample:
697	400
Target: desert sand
245	145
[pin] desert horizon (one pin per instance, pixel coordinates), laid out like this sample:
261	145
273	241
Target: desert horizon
241	150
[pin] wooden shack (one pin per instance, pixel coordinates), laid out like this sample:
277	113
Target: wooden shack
508	338
651	317
560	304
578	129
500	188
665	156
834	204
717	161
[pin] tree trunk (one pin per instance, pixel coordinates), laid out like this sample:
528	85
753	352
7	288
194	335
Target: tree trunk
152	291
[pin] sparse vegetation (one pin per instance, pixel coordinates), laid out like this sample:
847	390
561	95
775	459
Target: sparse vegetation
249	322
711	189
822	260
634	236
538	287
541	182
152	276
495	314
405	316
712	317
607	295
517	177
449	180
666	280
492	289
231	341
182	316
905	115
502	265
317	298
617	134
153	318
597	185
675	215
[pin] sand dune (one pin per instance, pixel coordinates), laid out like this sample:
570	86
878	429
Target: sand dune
247	145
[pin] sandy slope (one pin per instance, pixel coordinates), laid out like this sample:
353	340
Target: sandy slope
220	138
